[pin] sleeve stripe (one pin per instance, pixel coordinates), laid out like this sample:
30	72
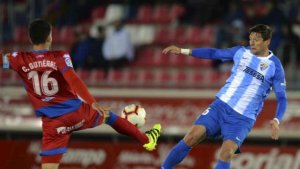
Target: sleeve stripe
5	61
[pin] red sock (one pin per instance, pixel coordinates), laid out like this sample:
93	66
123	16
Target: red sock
52	159
123	126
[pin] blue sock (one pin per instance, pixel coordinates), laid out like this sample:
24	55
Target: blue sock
177	154
111	119
222	165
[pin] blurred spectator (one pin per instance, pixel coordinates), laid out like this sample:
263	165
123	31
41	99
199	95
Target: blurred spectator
62	12
230	35
235	11
274	17
95	59
290	45
79	50
118	49
238	32
199	12
231	31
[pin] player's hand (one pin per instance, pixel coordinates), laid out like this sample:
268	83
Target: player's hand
172	49
103	110
275	129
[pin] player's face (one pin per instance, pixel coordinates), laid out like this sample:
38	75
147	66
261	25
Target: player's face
257	44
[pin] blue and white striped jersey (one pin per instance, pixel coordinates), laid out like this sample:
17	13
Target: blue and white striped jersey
251	79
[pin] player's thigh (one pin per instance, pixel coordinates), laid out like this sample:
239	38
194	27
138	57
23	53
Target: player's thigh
210	120
236	127
56	135
195	135
50	166
91	117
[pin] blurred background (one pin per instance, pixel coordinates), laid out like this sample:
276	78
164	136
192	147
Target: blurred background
116	47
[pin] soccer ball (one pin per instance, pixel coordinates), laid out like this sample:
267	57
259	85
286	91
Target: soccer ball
135	114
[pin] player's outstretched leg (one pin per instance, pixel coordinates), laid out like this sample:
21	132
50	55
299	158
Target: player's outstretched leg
177	154
228	149
122	126
153	135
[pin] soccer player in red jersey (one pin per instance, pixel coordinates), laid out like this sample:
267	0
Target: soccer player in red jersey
53	88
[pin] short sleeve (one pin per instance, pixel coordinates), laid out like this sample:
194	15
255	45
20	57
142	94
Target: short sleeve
64	62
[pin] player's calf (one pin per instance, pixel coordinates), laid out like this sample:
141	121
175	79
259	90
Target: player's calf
227	150
51	161
195	135
50	166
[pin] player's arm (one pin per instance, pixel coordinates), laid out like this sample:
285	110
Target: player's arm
281	105
280	110
78	85
66	68
204	53
279	86
81	89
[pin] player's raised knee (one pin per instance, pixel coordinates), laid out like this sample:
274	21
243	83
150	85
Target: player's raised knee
192	139
226	153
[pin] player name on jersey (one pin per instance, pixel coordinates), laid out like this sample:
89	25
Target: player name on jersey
39	64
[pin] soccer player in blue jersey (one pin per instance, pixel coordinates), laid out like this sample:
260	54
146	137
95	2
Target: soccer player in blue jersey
255	72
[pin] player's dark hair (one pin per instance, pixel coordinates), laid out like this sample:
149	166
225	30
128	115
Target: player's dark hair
264	30
39	31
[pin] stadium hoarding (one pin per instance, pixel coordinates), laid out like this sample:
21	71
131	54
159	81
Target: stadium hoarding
175	109
127	155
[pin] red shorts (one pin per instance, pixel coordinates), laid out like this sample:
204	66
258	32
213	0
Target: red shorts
57	131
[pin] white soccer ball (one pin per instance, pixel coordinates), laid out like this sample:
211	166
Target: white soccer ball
135	114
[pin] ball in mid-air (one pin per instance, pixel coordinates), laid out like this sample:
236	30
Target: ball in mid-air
135	114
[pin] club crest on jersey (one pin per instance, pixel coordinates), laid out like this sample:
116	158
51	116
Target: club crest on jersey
263	66
68	60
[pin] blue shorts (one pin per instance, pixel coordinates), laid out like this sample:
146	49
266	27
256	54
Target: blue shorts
221	120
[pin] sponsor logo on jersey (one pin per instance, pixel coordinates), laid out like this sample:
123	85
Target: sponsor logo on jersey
254	73
68	60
